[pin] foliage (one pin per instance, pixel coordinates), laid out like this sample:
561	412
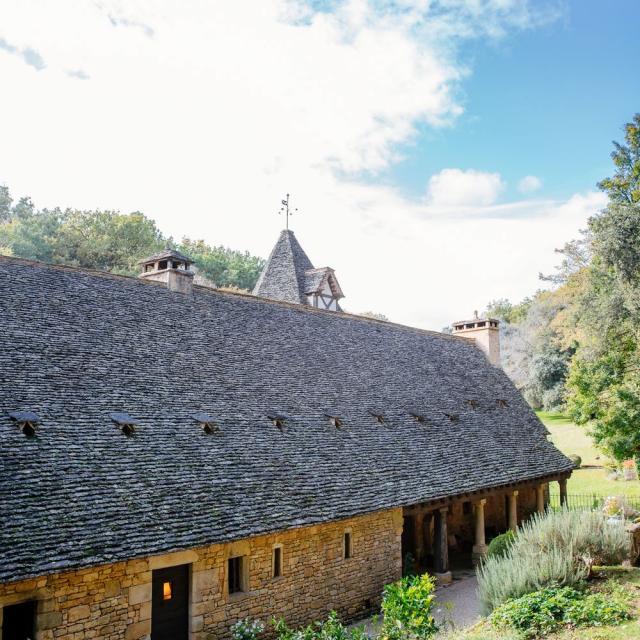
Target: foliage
499	546
557	548
375	315
247	629
110	241
329	629
624	186
541	612
225	267
577	347
406	606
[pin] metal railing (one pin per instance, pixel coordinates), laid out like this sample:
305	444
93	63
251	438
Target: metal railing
591	502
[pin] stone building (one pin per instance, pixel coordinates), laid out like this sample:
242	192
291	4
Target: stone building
175	457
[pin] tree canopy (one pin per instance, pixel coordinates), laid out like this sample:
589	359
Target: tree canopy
577	347
110	241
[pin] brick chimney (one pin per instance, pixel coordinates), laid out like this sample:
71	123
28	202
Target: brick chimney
486	333
170	267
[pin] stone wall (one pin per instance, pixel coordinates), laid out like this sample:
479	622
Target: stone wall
113	602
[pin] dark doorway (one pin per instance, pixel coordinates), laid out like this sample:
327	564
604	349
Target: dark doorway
170	603
19	621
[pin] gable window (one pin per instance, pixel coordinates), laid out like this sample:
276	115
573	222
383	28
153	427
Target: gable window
277	562
347	546
235	570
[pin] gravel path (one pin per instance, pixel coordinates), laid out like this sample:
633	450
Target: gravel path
457	604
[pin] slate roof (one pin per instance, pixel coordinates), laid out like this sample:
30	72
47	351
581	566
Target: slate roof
315	279
165	254
76	346
283	276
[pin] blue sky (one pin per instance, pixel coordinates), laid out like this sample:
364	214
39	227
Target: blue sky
546	102
438	150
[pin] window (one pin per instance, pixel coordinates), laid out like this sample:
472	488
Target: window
467	509
19	620
235	572
347	545
277	562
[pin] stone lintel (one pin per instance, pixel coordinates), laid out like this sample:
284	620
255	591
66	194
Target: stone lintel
172	559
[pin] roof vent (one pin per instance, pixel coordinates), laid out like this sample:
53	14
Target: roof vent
335	420
26	421
472	403
377	414
206	421
417	416
501	402
278	419
125	422
453	417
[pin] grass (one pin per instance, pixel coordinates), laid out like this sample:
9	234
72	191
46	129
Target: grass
629	578
573	439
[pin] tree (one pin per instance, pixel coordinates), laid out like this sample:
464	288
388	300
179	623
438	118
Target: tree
224	267
624	186
616	239
109	241
5	204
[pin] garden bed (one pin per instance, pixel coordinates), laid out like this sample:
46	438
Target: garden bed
605	579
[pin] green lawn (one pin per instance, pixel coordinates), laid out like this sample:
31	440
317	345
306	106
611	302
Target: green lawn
572	439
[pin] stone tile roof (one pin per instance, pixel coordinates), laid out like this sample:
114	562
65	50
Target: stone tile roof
283	277
77	346
165	254
315	279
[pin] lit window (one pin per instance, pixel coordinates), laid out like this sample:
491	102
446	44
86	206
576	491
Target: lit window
166	590
347	545
277	562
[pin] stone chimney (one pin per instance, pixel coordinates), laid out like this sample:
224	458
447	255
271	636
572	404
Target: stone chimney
170	267
486	333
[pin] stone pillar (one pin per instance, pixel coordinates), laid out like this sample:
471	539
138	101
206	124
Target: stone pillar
441	543
540	498
480	546
418	539
513	510
563	491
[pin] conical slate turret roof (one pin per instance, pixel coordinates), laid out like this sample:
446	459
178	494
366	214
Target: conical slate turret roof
283	277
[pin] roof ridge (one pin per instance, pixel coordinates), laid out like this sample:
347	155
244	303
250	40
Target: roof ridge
245	296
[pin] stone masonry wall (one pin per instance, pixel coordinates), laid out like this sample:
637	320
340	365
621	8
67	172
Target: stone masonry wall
113	602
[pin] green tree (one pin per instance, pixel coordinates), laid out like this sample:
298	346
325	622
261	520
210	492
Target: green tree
624	186
109	241
222	266
5	204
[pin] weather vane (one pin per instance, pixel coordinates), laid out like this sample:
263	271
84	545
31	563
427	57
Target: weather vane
287	211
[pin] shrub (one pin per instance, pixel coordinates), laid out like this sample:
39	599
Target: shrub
247	629
556	549
406	607
329	629
542	612
576	459
499	546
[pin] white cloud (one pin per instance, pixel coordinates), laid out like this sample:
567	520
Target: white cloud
203	114
471	188
529	184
